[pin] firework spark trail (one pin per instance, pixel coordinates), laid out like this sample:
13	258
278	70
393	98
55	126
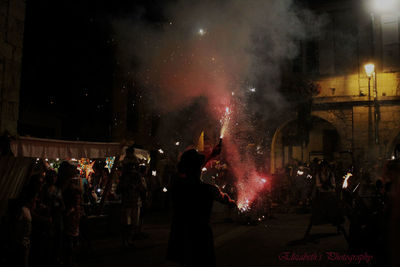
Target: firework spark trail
249	182
209	50
225	122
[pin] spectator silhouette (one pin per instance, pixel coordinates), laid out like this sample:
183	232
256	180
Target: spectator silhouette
191	241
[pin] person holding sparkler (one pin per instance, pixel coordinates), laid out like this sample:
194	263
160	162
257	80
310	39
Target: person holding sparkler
191	241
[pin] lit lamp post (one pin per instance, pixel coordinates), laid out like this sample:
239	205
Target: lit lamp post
370	72
378	8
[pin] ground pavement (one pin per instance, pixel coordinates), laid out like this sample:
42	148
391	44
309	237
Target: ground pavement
274	242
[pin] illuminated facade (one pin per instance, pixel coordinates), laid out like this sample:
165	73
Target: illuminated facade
354	116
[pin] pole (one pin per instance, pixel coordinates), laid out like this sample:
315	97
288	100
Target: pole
376	111
369	115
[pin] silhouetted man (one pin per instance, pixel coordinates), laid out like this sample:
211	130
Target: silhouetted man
191	239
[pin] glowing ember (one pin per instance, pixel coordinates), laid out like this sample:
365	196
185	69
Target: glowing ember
225	121
346	178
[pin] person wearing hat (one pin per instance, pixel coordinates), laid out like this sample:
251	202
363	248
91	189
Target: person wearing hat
191	241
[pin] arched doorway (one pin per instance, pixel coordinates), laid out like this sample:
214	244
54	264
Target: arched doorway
292	141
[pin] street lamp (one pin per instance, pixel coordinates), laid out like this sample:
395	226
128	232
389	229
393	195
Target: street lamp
370	72
384	6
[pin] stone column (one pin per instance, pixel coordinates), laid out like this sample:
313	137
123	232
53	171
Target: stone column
12	17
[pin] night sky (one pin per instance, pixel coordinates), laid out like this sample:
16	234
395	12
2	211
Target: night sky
68	66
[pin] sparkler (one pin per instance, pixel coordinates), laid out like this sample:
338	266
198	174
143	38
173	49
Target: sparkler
346	178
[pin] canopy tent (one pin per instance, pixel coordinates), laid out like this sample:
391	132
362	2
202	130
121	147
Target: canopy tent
48	148
14	171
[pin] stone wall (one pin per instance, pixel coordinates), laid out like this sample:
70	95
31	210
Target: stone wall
12	17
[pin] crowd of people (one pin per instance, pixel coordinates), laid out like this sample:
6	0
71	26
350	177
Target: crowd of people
364	196
49	220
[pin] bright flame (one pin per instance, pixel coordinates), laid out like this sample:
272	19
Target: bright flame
346	178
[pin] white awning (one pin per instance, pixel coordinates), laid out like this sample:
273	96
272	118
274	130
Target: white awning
53	149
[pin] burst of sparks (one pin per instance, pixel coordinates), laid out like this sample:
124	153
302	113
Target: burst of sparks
346	178
244	206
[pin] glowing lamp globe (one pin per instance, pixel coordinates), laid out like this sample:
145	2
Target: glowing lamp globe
369	69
